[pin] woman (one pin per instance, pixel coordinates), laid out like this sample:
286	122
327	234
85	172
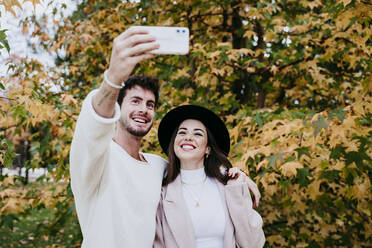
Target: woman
200	206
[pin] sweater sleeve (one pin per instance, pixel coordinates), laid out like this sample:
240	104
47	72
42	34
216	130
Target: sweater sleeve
90	147
247	222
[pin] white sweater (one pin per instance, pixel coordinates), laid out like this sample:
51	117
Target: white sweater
116	196
209	218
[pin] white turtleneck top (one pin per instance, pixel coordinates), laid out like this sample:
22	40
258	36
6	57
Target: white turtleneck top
209	218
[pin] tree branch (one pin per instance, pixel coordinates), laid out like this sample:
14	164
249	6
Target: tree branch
2	129
3	97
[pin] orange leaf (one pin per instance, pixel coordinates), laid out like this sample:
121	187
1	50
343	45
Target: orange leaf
34	2
9	4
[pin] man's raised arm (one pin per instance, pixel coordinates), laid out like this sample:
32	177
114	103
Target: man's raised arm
129	48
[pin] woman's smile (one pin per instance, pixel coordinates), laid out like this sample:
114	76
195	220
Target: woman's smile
191	142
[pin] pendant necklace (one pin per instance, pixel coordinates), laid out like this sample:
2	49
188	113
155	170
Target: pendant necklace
192	193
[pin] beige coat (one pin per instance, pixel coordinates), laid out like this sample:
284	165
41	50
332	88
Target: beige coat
174	227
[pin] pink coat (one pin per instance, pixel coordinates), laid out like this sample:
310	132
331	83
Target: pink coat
175	229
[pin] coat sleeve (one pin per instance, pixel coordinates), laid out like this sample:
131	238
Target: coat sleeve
247	222
159	232
89	147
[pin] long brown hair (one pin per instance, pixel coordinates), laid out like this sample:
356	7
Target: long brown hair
212	163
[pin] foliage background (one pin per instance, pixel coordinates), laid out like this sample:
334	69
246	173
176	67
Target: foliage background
291	78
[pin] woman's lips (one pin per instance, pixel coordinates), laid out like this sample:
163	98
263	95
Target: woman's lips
188	147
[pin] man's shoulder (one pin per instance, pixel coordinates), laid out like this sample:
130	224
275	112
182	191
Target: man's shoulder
156	159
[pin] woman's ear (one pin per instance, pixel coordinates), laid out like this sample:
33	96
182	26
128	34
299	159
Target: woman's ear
208	150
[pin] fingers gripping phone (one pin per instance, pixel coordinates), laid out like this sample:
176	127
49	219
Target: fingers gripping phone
172	40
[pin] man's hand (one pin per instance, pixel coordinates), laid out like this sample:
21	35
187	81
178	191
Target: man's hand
238	176
129	48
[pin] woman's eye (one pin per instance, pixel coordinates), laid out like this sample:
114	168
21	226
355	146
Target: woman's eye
198	134
181	132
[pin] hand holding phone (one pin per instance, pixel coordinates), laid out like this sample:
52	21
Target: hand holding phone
172	40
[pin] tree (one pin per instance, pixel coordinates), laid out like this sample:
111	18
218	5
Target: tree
310	152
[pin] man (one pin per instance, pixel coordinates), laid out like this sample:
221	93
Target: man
117	188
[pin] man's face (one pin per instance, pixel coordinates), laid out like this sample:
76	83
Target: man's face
137	111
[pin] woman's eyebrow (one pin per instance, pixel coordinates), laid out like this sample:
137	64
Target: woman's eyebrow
195	129
198	129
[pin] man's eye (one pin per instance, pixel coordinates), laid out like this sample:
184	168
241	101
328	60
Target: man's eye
135	101
150	106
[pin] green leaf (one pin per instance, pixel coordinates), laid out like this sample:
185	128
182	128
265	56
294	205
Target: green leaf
339	113
302	151
357	158
273	158
3	39
337	152
8	220
2	86
302	176
9	154
330	175
320	124
259	118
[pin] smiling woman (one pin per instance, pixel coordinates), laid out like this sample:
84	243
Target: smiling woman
190	145
220	212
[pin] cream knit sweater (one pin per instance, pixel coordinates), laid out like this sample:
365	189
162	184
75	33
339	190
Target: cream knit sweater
116	196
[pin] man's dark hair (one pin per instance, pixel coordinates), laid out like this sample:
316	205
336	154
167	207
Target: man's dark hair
145	82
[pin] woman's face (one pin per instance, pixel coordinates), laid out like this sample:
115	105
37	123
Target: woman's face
191	141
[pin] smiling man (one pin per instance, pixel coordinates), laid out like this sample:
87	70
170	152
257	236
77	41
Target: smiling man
116	187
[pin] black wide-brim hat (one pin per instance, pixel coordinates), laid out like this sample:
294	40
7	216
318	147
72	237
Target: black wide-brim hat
176	116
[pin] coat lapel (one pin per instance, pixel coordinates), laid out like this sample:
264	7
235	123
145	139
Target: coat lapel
229	232
177	215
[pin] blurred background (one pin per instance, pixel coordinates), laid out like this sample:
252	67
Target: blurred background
291	79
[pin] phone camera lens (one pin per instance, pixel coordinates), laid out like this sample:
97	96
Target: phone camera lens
178	30
183	31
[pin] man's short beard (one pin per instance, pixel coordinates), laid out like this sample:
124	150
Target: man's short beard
137	133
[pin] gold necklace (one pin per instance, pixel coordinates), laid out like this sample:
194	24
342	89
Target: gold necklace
192	193
205	178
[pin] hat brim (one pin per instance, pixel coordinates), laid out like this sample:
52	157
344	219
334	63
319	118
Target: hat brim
176	116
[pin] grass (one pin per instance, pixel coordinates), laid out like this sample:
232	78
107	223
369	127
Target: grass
41	226
38	229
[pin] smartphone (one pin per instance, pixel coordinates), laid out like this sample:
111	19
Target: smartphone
172	40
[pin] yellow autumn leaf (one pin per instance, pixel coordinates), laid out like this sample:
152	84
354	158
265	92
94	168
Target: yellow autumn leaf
290	168
249	33
12	205
8	181
361	188
313	189
263	163
346	2
10	4
343	20
277	240
300	205
7	193
326	229
68	99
